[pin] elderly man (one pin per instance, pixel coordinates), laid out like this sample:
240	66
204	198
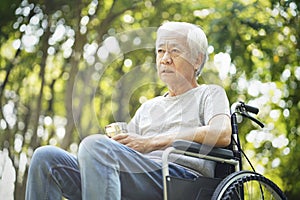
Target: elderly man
128	165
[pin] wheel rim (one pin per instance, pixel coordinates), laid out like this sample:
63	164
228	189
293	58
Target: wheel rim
247	185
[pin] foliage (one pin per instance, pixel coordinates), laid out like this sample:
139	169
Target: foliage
68	68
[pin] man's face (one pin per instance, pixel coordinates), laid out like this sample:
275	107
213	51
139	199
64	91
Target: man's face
173	60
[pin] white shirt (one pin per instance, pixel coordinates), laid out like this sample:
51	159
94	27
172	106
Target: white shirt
180	113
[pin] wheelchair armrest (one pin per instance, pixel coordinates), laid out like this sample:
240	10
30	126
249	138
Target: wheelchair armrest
194	147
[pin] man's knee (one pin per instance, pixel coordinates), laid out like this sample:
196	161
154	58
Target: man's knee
93	144
42	156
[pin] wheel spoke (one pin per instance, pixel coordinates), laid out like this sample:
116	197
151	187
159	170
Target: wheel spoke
247	186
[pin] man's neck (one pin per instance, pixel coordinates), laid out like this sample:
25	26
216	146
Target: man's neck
175	91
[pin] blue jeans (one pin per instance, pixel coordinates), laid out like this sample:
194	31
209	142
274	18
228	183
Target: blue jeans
104	169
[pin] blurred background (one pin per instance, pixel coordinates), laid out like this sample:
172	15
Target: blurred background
68	68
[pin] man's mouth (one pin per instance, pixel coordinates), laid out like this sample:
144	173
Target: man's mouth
167	71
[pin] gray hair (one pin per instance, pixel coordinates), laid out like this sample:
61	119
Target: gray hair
196	40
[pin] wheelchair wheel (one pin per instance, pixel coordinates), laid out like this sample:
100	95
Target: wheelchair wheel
247	185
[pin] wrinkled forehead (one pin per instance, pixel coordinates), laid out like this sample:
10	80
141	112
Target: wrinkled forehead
176	37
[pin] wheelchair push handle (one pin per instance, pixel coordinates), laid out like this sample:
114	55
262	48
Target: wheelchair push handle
251	109
243	109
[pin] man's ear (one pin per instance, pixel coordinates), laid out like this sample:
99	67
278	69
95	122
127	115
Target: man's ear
199	61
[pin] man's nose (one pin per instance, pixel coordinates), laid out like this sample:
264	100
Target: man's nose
166	59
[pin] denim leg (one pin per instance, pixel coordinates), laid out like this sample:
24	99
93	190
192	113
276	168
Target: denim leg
53	173
112	171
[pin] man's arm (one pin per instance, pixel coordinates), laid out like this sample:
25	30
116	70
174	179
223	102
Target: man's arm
216	133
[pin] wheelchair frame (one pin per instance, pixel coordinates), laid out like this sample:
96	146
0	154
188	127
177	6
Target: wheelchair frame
168	151
230	156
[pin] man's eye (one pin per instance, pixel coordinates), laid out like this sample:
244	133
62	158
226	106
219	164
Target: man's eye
175	52
160	51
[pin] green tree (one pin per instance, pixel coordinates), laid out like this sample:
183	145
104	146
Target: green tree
68	68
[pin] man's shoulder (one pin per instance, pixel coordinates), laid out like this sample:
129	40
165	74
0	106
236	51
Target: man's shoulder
209	87
153	100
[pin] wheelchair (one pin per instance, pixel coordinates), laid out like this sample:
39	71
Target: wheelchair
230	181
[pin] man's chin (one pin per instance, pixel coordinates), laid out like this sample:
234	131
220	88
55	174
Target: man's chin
169	80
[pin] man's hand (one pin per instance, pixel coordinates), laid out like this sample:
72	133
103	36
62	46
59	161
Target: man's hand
134	141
